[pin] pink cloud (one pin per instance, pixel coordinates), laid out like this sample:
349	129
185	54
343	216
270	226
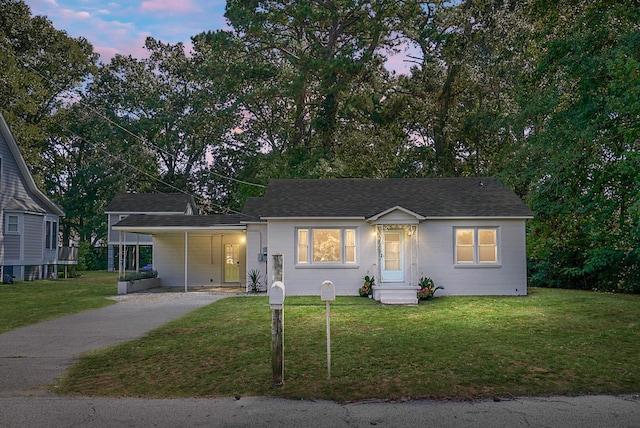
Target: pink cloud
71	14
183	6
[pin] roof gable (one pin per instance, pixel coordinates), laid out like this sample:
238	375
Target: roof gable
366	198
394	213
169	203
15	202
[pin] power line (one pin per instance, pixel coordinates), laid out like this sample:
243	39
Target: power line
127	131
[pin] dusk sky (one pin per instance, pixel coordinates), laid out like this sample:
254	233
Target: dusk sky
122	26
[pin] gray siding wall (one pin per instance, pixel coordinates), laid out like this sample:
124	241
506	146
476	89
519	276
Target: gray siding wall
128	238
27	247
33	239
13	250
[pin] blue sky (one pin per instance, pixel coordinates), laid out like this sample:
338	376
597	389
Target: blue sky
122	26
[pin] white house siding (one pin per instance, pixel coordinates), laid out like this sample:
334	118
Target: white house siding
256	241
437	259
306	280
205	259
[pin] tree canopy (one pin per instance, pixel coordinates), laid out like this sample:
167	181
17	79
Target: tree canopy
541	94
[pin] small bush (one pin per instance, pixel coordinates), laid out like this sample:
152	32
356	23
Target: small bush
132	276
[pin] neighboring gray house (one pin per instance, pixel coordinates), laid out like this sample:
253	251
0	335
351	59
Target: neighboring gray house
467	234
29	220
125	204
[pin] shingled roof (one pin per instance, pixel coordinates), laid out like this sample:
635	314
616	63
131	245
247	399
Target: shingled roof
143	221
358	198
152	203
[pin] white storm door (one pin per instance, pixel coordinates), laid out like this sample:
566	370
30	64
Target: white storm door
392	256
231	263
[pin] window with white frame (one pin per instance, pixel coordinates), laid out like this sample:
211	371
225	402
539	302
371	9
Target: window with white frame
325	245
13	225
476	245
50	235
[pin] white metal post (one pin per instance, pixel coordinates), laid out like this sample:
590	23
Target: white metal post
186	260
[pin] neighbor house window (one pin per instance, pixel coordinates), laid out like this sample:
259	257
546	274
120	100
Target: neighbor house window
476	245
12	223
318	246
47	235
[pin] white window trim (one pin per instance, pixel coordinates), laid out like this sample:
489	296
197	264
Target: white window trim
8	223
476	248
310	264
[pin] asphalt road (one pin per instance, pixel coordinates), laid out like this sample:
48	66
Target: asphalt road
33	357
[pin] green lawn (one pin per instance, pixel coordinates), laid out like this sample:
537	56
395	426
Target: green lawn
550	342
30	302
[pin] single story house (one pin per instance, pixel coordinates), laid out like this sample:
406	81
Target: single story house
29	219
467	234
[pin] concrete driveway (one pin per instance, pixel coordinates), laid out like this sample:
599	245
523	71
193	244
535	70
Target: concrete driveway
32	357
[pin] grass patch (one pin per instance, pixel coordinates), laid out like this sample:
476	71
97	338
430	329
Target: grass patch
30	302
551	342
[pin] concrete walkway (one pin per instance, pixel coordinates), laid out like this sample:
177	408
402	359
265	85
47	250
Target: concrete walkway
32	357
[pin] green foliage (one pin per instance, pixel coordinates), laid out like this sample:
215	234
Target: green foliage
133	276
583	148
254	278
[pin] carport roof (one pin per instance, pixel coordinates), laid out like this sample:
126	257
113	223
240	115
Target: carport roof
148	223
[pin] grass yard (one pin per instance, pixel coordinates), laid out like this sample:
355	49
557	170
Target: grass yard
30	302
551	342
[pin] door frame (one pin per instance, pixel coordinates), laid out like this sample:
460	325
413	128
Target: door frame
392	275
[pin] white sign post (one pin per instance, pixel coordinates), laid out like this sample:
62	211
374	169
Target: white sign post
328	294
276	300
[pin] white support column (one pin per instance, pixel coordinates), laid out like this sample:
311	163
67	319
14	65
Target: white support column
186	260
120	255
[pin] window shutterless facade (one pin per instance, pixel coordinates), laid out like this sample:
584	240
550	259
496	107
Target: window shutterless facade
326	246
476	245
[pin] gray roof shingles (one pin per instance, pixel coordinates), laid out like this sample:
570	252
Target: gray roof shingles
355	197
151	203
179	221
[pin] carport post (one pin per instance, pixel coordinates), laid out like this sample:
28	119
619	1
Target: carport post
186	260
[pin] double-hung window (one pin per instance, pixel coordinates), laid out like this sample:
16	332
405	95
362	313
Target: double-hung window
476	245
326	246
12	226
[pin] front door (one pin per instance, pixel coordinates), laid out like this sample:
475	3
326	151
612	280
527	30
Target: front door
231	263
392	256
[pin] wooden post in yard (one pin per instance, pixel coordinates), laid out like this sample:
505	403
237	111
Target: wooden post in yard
276	301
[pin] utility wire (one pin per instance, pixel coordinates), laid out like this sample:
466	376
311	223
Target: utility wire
127	131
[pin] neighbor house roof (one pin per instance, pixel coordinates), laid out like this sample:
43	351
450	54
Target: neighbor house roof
366	198
22	204
178	203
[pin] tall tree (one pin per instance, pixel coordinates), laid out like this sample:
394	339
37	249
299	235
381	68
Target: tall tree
461	84
163	104
41	68
314	52
581	114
